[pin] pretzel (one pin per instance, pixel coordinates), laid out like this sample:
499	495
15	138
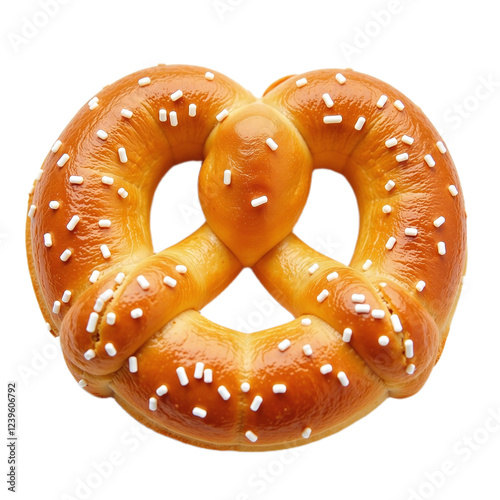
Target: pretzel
128	318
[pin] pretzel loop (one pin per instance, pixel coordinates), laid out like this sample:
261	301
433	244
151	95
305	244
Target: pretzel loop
128	318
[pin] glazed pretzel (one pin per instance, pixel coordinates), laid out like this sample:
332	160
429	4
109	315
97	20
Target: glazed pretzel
127	317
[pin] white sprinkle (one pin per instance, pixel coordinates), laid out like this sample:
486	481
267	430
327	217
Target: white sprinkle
343	379
301	82
82	383
171	282
256	202
390	184
411	231
325	369
76	179
270	142
119	278
153	404
65	255
313	268
387	209
307	349
358	298
199	412
56	146
181	269
126	113
143	282
222	115
409	348
402	157
306	322
383	340
207	376
347	335
390	243
396	323
47	240
99	305
284	345
56	308
54	205
105	251
306	432
176	95
322	296
39	175
90	354
173	118
94	276
198	370
102	134
279	388
381	102
192	110
439	221
123	193
429	160
93	105
132	364
224	393
122	154
410	369
332	119
66	296
245	387
441	147
441	248
182	375
162	390
62	161
378	313
136	313
420	285
144	81
92	322
104	223
227	177
251	436
340	78
390	143
107	180
92	101
162	115
209	75
332	276
360	123
110	349
257	401
107	295
73	222
399	105
407	139
362	308
453	190
111	318
327	100
367	265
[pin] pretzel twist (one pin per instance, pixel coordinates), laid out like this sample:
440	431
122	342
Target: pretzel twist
127	317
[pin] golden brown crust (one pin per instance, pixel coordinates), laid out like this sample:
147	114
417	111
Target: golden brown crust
128	318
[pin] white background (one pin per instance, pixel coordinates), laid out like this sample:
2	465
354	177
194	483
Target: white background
440	54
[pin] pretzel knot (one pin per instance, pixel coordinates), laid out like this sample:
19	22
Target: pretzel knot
127	316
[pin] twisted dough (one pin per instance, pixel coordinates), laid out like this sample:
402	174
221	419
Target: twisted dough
128	318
